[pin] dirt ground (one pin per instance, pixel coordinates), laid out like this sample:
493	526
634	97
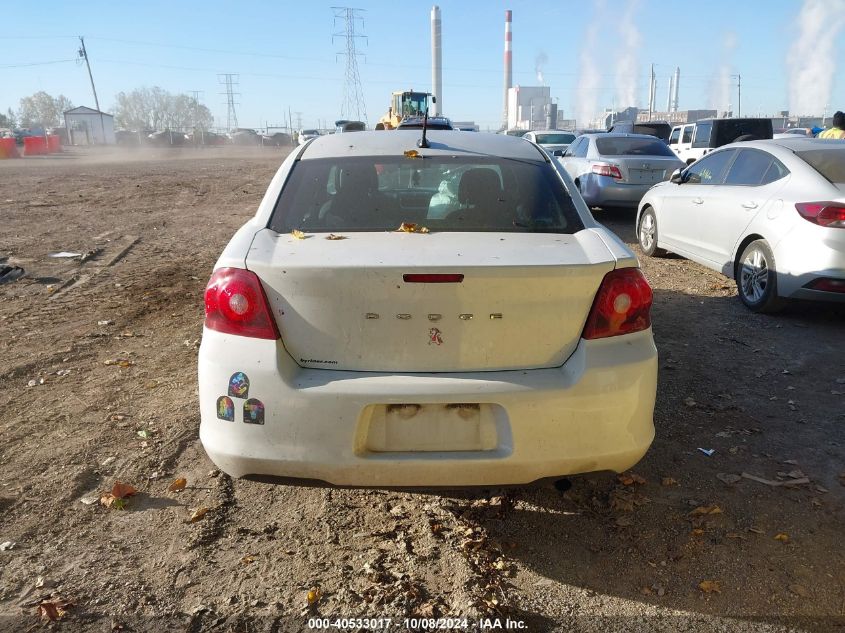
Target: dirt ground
98	359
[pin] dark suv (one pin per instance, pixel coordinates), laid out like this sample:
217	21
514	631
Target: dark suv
660	129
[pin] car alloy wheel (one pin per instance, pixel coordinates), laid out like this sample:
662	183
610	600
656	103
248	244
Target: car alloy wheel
647	234
757	278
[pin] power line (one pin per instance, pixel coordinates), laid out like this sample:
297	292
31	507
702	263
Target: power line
58	61
353	94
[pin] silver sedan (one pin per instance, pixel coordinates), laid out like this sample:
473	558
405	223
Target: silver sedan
770	214
554	142
616	170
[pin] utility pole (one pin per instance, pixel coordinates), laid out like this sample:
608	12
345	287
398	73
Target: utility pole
298	120
651	87
84	54
739	95
195	116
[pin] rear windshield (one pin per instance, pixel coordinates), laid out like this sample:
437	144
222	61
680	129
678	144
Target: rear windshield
440	193
615	146
829	162
728	130
555	139
660	130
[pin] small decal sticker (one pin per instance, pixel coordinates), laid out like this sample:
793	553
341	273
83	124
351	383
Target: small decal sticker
225	408
239	385
434	337
253	411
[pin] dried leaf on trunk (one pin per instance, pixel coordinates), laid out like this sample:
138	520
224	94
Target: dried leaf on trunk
332	236
298	234
407	227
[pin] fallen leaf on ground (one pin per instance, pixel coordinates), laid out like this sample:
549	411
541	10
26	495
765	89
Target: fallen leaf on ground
332	236
246	560
198	514
53	609
120	362
782	536
111	502
143	434
178	485
775	483
706	510
690	402
314	595
122	491
669	481
629	479
728	478
799	590
710	586
697	532
298	234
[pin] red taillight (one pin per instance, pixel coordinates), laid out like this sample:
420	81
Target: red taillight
829	214
622	305
606	169
235	303
827	284
434	278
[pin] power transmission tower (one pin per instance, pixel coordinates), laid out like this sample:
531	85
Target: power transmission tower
230	80
353	96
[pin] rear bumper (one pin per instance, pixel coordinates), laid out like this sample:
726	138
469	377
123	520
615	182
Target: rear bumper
806	254
593	413
600	191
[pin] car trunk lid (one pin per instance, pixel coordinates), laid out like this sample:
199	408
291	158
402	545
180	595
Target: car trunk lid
345	304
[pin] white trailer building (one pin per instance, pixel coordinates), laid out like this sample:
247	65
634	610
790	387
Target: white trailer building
86	126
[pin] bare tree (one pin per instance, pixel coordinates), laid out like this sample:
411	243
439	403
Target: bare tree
8	120
155	108
43	110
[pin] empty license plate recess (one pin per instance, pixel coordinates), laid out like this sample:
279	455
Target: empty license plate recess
430	427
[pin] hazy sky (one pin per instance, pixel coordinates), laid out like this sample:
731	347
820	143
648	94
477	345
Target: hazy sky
286	57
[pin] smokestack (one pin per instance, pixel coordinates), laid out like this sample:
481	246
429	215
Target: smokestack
670	93
676	80
508	61
436	61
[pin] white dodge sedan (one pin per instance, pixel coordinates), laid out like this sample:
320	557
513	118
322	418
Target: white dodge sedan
770	214
355	336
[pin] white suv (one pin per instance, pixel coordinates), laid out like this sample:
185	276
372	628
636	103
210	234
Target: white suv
693	140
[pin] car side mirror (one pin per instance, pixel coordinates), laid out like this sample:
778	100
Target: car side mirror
677	177
557	152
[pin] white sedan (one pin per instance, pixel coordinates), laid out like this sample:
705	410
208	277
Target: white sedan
355	337
770	214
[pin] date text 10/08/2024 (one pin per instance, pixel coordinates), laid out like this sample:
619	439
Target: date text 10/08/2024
417	624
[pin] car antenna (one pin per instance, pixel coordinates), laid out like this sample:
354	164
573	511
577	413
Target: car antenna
423	142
